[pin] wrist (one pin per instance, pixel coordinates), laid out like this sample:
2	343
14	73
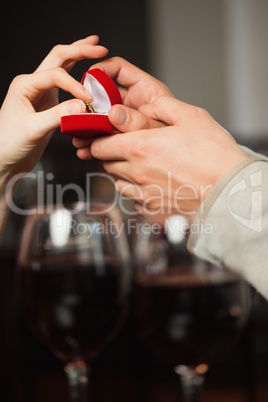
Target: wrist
229	163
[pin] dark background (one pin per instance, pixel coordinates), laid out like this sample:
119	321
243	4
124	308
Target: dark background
28	372
29	30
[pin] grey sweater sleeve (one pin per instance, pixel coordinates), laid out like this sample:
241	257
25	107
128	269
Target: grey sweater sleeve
231	226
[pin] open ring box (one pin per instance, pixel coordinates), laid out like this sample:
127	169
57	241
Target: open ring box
90	124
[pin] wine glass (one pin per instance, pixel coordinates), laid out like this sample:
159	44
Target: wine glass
74	280
186	311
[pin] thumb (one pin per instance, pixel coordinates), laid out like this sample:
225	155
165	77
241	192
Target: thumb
166	109
126	119
50	119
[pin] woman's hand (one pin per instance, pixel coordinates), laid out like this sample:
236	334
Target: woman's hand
31	112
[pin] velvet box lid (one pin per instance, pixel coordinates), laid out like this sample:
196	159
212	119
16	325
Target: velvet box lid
90	124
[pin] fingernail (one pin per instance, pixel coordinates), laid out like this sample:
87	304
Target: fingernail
121	117
77	106
102	47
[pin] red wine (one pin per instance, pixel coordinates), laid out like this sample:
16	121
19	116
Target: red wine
188	322
74	306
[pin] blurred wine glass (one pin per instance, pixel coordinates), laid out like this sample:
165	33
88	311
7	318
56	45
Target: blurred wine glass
74	280
186	311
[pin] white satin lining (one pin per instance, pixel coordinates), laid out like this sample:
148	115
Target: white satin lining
101	102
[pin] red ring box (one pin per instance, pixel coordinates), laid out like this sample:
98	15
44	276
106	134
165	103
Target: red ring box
105	94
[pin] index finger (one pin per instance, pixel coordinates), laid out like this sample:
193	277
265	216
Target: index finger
122	71
63	55
31	85
112	147
147	87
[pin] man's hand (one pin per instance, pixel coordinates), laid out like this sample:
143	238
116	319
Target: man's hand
137	88
169	169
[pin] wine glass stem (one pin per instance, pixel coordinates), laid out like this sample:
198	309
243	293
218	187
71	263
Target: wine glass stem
191	381
77	375
191	385
191	388
192	378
